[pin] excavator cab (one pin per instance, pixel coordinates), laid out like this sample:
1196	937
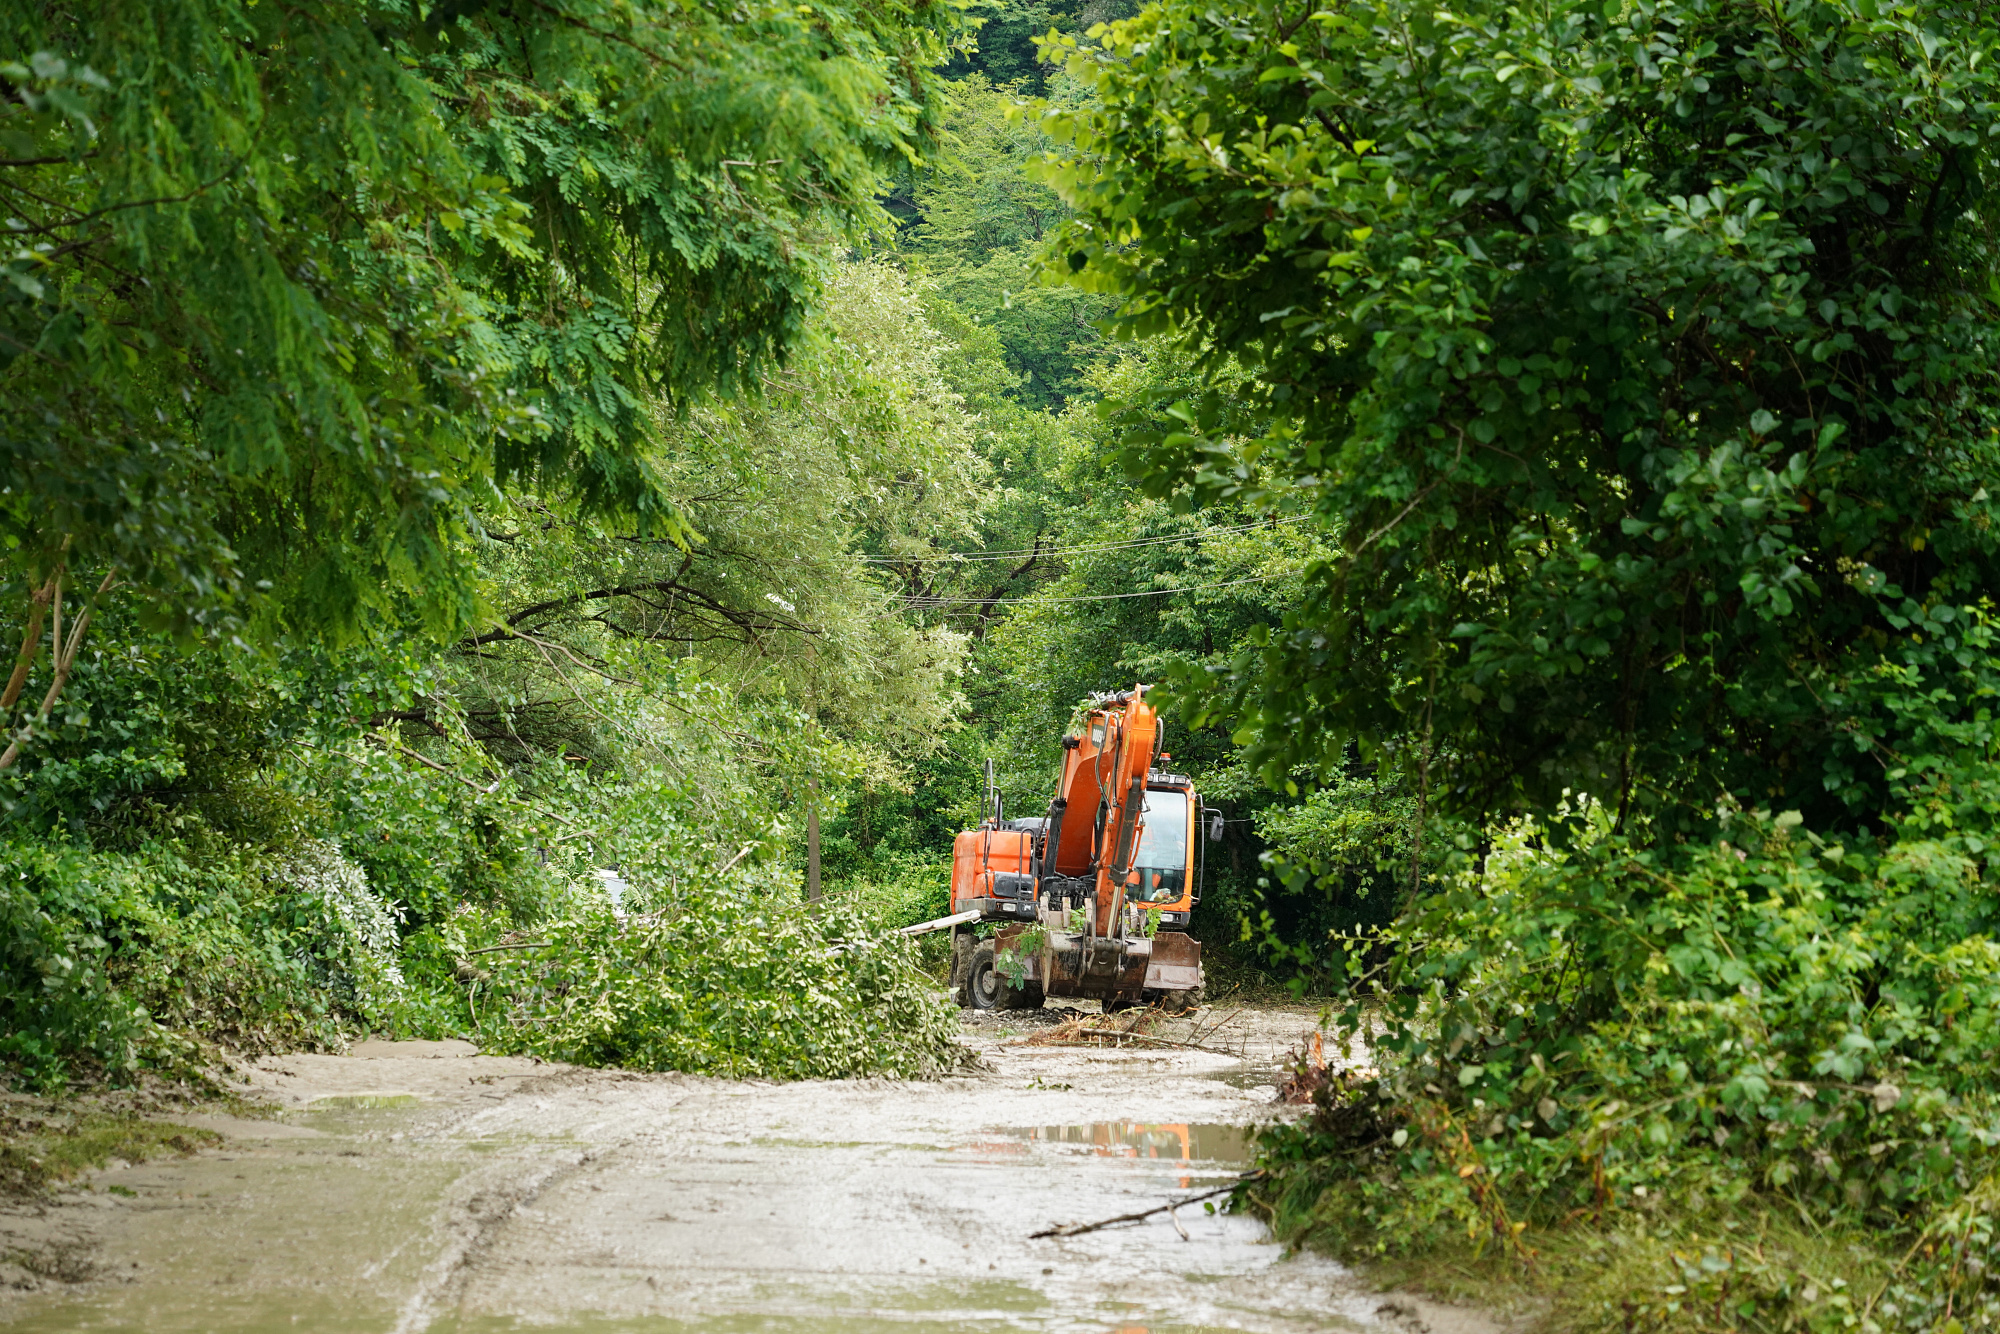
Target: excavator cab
1166	869
1097	893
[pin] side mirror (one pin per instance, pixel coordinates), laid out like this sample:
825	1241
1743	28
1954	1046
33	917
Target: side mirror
1215	827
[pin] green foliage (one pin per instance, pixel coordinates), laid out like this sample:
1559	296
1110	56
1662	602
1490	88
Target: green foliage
521	334
1004	49
1356	834
284	842
1776	1020
1635	358
1012	962
1106	540
294	289
1119	588
723	982
980	224
900	890
1635	362
1342	864
858	446
114	961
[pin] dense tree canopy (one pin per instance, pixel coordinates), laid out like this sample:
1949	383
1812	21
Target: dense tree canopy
521	466
294	288
1640	357
1637	361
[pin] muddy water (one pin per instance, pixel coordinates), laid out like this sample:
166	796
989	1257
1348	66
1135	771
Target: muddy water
414	1187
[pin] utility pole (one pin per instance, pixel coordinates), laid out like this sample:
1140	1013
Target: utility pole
812	842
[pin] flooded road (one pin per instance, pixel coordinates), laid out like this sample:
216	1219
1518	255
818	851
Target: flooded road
418	1187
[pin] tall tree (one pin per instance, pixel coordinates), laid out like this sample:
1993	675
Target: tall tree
1639	357
293	289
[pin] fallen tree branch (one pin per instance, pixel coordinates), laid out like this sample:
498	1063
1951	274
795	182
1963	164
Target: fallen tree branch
936	924
1198	1032
456	776
1086	1037
1078	1229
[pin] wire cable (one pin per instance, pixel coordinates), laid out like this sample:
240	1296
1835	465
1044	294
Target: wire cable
970	556
935	602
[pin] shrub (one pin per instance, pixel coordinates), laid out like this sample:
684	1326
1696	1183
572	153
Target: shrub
354	952
112	961
901	890
725	982
1610	1032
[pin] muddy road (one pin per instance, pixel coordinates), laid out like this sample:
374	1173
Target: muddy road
418	1186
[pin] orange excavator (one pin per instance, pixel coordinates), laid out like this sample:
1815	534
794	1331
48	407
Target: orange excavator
1094	896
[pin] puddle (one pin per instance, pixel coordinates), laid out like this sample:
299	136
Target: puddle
1139	1139
370	1101
1250	1077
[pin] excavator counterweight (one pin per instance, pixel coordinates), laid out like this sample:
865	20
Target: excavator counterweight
1095	895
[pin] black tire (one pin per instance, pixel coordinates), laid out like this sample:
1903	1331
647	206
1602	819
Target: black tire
961	965
1180	1002
983	983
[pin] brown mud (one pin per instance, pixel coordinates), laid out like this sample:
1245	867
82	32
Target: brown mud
419	1186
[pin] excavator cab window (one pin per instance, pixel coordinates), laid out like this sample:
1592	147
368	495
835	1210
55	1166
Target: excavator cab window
1163	848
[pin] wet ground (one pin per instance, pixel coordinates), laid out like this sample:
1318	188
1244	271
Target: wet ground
419	1186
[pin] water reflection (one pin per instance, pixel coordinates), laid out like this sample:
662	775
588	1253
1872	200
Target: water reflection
1139	1139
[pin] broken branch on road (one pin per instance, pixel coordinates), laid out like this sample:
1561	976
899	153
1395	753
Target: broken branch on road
1078	1229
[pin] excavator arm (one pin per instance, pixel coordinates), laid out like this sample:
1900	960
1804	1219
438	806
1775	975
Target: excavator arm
1131	739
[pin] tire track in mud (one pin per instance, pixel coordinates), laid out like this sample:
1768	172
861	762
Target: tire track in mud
431	1187
472	1232
477	1222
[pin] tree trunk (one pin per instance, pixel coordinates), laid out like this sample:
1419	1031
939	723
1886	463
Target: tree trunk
62	657
812	842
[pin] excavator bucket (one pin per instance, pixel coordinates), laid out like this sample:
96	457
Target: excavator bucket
1106	968
1176	963
1103	968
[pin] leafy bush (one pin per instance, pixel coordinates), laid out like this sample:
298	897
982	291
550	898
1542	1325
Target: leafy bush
111	961
58	1003
243	880
1610	1030
433	845
1340	864
725	981
359	938
901	890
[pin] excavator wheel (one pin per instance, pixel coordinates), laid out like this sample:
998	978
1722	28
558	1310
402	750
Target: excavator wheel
1180	1002
961	965
986	988
983	984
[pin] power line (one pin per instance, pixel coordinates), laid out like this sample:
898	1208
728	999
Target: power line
971	556
934	602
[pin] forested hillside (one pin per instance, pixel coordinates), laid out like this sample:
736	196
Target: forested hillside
482	482
478	479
